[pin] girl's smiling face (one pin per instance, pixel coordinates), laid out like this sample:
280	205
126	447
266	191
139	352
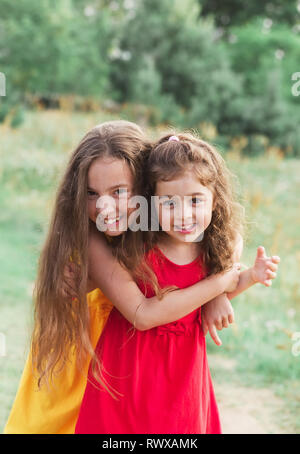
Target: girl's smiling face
110	185
184	207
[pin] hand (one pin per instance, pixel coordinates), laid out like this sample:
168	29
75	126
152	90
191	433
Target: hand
216	314
231	278
70	275
264	269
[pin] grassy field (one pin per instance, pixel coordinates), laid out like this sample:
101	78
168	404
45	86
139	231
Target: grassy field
261	340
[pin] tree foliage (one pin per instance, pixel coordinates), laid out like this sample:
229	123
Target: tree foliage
228	63
238	12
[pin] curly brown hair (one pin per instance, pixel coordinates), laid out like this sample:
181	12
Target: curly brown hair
169	159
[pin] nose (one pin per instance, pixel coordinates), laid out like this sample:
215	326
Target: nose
106	206
184	213
188	211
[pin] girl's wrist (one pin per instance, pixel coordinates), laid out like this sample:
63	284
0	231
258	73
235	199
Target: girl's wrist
252	275
220	282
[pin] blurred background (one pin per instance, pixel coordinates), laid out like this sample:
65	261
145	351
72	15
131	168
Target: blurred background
228	69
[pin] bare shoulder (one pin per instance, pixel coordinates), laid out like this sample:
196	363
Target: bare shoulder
97	242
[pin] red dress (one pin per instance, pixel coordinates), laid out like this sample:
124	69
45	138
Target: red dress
162	372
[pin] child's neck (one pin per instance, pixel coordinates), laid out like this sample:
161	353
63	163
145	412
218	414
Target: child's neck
179	252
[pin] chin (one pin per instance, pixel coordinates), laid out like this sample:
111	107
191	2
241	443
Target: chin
196	237
113	233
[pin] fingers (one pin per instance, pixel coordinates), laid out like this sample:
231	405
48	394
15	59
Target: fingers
218	324
231	318
261	251
204	327
68	289
270	274
71	270
268	283
272	265
214	335
225	322
275	259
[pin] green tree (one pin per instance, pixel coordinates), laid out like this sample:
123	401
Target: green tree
227	13
165	44
53	47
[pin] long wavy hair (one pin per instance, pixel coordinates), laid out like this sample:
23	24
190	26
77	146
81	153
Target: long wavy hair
169	159
62	322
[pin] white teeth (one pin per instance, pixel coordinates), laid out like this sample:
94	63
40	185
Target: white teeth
186	227
111	221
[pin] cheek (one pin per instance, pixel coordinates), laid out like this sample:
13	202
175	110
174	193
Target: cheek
203	213
92	211
166	218
122	205
208	213
123	208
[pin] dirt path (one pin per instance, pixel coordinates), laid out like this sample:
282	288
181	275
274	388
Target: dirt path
246	410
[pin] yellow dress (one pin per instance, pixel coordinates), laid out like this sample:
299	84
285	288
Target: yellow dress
54	410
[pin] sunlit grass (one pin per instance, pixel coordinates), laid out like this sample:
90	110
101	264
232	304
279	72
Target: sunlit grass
266	318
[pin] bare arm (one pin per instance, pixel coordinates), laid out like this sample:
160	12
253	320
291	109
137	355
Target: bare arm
245	282
120	288
218	312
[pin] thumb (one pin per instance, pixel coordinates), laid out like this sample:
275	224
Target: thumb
261	251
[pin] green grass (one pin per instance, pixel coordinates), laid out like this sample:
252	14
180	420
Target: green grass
32	159
265	318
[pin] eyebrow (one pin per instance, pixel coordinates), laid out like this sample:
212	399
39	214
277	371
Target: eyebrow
186	195
111	188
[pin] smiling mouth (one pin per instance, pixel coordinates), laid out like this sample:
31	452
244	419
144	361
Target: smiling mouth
113	221
185	228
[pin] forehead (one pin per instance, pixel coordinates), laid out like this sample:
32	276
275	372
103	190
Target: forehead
186	183
107	172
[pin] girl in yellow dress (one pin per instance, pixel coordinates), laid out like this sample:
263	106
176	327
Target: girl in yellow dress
56	356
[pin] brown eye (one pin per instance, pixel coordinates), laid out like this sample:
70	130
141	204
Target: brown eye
91	193
196	200
169	203
121	191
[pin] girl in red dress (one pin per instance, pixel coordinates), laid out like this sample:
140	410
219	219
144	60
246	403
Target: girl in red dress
160	376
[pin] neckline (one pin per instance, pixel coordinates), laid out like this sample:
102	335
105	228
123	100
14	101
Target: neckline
177	264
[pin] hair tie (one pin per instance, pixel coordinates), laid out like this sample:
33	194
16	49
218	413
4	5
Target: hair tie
175	138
